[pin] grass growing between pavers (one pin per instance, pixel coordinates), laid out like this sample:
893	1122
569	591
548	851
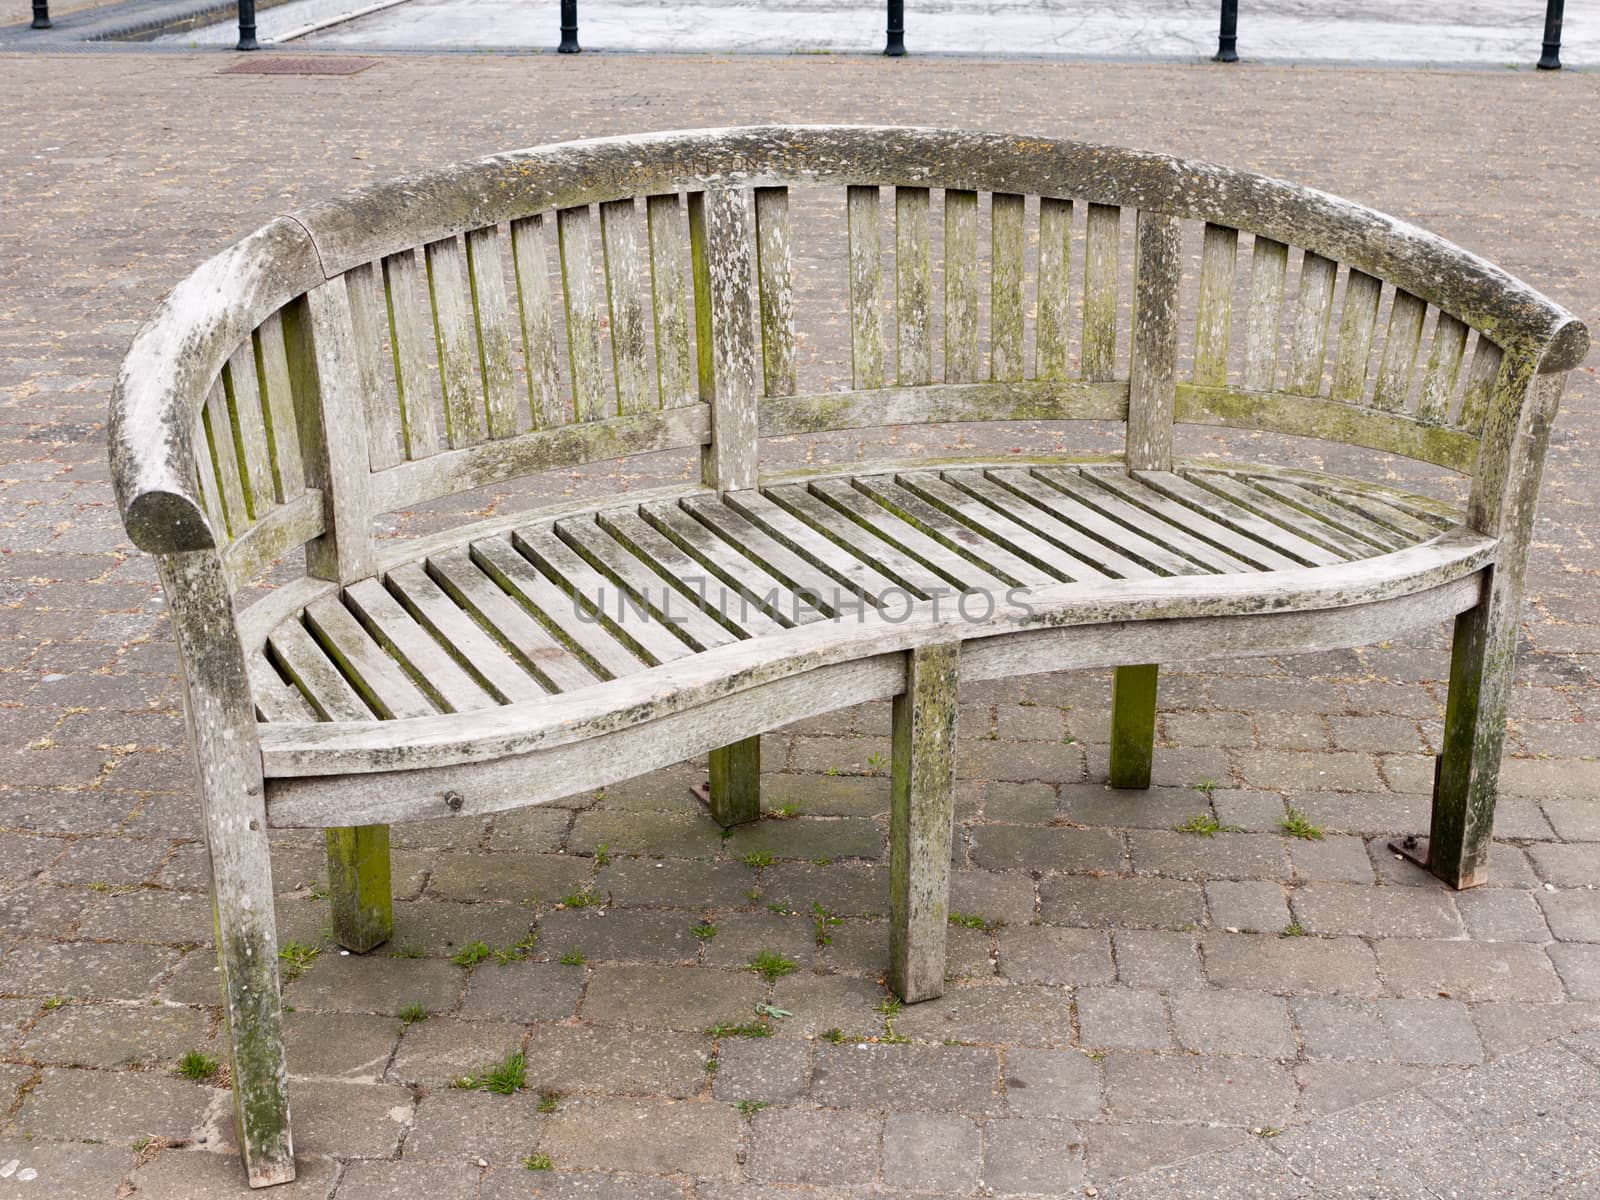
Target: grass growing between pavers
504	1078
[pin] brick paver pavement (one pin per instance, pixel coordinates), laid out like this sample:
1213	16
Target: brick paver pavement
1126	998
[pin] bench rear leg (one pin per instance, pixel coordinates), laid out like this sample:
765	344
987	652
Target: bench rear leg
921	821
1133	725
358	886
734	793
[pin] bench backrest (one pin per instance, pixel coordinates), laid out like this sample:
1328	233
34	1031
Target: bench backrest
411	341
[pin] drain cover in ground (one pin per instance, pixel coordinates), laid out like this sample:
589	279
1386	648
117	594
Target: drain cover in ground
298	66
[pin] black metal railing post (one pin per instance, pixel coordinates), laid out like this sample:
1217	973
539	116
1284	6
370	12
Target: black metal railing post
895	46
1550	59
1228	35
41	14
569	28
247	25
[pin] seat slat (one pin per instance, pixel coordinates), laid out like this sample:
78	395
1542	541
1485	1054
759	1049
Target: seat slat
620	240
369	318
1378	538
803	539
1269	264
866	287
548	406
573	229
1393	388
1444	366
1267	532
913	298
990	552
420	412
486	270
1102	249
775	284
1410	527
249	429
1007	239
740	571
1098	495
1308	345
668	606
456	332
961	363
1279	512
498	588
1051	356
1237	549
434	671
382	683
1356	325
1079	531
283	431
479	654
305	662
726	605
225	460
274	699
1219	260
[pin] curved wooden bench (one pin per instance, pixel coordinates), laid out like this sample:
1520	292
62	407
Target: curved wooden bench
411	342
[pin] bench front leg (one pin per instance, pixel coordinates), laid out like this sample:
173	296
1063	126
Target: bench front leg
921	822
358	886
734	792
1133	725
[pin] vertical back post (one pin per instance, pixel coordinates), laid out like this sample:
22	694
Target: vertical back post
1153	375
725	335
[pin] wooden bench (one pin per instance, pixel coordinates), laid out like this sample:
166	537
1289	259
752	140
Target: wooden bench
412	342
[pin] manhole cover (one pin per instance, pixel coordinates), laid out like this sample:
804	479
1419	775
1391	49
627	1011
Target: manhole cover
267	65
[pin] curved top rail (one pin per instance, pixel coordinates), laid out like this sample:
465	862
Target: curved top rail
387	217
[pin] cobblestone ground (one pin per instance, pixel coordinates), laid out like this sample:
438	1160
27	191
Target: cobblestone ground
1124	995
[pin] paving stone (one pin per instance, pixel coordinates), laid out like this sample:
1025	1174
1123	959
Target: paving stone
148	916
1121	902
995	896
101	1035
566	1058
686	998
1224	856
1251	811
619	935
452	1124
862	948
509	878
931	1152
1232	1022
518	1183
1327	1087
197	1174
1573	914
112	1106
1122	1018
1578	965
1335	908
1051	1083
1040	954
826	795
1567	866
1432	1031
1467	970
823	1002
441	928
1046	848
1031	1154
41	911
1331	859
666	790
347	1046
810	838
1022	803
770	1070
1502	915
1096	804
1117	1149
798	1145
1520	1089
849	889
675	883
1342	1027
522	991
400	1181
440	1051
1250	1170
103	970
1248	906
1505	1028
743	936
986	1014
668	835
377	983
1153	959
350	1120
906	1078
1049	763
1373	814
1508	867
1267	963
1238	1091
468	833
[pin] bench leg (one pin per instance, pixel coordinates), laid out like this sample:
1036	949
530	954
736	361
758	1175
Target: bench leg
921	820
735	791
1467	774
1133	725
358	886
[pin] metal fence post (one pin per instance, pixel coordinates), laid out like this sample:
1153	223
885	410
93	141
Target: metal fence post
895	46
1550	60
1228	36
41	14
569	28
247	25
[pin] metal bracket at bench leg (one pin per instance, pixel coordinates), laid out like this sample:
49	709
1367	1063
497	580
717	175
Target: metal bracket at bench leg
358	886
1133	725
733	794
921	822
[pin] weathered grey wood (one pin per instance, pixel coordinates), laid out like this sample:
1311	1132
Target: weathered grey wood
486	272
1286	516
548	406
1007	239
1269	263
620	237
1393	389
1360	317
225	461
866	287
1481	376
1444	364
282	531
1140	493
735	784
359	892
725	335
283	431
369	318
1133	725
414	649
921	820
961	362
1277	538
475	651
222	728
776	285
307	665
1329	514
1102	249
1051	355
1153	363
802	539
574	232
1308	343
387	689
1219	256
274	699
250	430
1027	399
1105	547
208	492
741	571
455	332
421	414
913	298
674	310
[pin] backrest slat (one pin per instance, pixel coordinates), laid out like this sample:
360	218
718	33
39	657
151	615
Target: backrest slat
1308	346
249	429
774	276
283	432
1444	368
1102	242
205	466
457	334
1051	356
913	296
1399	353
369	314
225	458
1481	375
960	286
486	271
725	336
415	386
1269	262
630	355
1356	324
1007	239
866	287
573	229
538	323
1219	256
1152	375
